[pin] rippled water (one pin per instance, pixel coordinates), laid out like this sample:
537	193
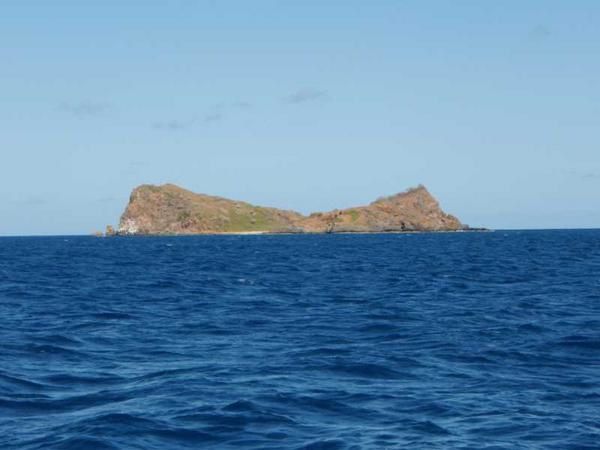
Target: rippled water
464	340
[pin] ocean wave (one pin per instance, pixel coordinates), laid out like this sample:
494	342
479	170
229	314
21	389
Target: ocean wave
438	341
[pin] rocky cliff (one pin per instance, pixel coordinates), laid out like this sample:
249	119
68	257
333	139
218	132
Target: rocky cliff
169	209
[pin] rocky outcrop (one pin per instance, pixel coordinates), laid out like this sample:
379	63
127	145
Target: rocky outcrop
169	209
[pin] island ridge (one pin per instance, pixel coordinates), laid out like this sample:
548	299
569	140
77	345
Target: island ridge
171	210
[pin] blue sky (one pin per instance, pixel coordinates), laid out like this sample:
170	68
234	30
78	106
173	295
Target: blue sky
307	105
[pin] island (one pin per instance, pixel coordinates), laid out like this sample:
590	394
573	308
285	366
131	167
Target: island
171	210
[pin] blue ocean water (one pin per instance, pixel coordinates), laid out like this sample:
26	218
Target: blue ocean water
435	341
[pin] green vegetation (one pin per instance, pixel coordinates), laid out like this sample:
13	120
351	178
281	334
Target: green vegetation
354	214
254	219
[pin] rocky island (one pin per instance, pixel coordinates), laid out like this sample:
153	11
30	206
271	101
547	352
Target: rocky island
172	210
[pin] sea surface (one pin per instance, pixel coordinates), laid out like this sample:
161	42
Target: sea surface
432	341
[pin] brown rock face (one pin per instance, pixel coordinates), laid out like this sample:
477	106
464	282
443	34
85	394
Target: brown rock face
169	209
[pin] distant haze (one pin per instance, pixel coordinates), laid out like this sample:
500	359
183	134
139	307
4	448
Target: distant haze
309	105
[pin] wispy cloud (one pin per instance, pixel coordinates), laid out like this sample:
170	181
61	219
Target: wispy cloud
241	105
305	95
539	32
31	200
172	125
583	174
215	113
84	109
213	117
590	176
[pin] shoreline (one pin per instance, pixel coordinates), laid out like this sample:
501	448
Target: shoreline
289	233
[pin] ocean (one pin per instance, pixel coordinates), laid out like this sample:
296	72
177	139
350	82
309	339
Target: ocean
383	341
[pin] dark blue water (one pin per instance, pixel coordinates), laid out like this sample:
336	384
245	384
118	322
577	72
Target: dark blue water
464	340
